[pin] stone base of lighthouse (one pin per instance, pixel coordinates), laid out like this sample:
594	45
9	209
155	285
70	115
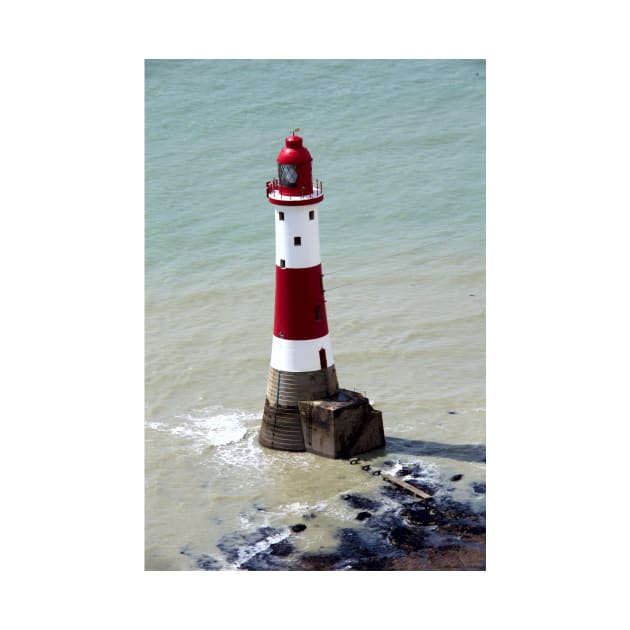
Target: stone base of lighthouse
306	411
281	425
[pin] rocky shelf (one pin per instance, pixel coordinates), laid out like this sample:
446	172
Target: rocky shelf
404	533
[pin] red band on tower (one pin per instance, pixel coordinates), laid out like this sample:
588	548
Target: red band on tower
300	309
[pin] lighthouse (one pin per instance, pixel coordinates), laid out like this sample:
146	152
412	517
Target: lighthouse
305	409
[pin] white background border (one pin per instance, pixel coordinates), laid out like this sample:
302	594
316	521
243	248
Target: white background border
557	281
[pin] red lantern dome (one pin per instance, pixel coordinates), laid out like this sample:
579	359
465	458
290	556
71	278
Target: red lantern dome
294	185
294	168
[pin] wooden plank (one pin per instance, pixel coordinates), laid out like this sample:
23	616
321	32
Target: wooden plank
406	486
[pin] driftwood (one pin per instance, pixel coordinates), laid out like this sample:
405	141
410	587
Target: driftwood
406	486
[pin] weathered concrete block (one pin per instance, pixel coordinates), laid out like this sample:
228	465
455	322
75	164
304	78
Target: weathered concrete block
341	426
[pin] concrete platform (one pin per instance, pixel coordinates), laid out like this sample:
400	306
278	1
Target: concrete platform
341	426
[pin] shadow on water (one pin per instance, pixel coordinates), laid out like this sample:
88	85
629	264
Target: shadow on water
461	452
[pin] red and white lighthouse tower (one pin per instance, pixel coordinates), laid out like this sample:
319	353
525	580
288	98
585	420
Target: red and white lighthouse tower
302	366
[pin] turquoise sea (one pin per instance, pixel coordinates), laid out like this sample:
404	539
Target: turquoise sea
400	148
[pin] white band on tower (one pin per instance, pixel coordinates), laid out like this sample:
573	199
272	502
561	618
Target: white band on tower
301	355
297	237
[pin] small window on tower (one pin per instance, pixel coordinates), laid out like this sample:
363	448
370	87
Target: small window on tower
283	263
281	216
297	240
311	215
318	312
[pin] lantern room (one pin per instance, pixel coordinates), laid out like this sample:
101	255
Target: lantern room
294	168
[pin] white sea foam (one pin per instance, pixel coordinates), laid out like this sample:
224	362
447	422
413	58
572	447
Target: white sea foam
245	553
245	452
300	507
211	426
428	470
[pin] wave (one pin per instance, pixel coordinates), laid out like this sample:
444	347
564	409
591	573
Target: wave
245	452
207	427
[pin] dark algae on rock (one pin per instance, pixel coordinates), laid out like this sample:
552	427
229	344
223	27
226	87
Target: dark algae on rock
399	532
435	534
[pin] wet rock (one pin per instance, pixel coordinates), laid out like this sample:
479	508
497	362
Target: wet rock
319	562
456	513
265	562
358	544
452	514
402	497
361	503
422	515
282	548
231	543
406	537
208	563
479	487
410	470
363	550
401	533
389	463
457	558
452	413
465	531
368	564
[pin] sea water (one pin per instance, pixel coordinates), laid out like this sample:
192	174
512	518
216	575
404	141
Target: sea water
400	148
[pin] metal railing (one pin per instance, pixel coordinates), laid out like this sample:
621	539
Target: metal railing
274	188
